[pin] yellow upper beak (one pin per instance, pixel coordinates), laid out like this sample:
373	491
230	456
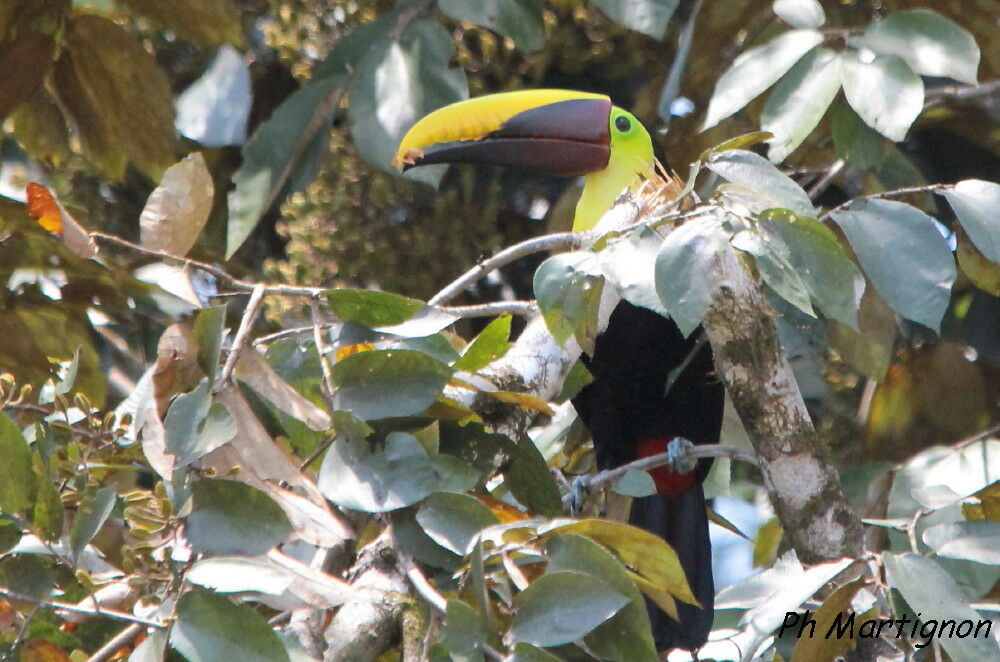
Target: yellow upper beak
560	132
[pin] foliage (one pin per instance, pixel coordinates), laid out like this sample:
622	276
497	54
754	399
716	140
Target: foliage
168	455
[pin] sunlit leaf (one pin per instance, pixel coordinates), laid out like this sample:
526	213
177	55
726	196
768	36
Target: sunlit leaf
756	70
930	43
827	649
885	93
799	100
853	140
754	173
800	13
686	278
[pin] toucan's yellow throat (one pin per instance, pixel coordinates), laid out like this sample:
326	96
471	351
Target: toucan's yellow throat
556	132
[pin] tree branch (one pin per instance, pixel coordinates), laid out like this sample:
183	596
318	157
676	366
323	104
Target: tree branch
76	609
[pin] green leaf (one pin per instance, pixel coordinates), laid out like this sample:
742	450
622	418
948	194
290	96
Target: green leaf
388	383
834	282
276	156
15	470
930	43
738	142
210	628
488	346
629	264
205	22
853	140
756	70
207	329
10	535
412	538
454	520
560	607
646	16
524	652
928	589
568	289
773	260
869	348
30	574
686	279
47	510
195	426
528	478
904	255
977	541
885	93
976	203
799	101
635	483
93	512
800	13
463	631
371	307
625	637
397	82
518	20
228	517
754	173
377	477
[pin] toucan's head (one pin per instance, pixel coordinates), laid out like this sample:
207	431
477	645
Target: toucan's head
555	132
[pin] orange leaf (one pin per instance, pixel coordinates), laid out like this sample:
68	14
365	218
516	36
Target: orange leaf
43	208
347	350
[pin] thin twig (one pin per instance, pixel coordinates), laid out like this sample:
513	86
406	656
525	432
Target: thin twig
895	193
109	613
558	241
221	274
661	459
116	643
242	335
416	577
941	94
322	351
521	308
823	182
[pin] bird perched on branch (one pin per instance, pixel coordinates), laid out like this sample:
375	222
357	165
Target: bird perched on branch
651	384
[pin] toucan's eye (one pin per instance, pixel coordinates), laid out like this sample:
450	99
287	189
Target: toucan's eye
623	124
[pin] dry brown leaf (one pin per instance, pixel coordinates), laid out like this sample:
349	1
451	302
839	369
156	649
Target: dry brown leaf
177	209
262	378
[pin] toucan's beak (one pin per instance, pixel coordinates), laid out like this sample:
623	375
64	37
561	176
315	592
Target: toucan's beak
555	132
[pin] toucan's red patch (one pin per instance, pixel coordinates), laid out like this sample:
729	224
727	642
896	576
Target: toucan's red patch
669	483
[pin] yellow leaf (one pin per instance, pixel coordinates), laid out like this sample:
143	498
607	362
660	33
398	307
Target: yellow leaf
523	400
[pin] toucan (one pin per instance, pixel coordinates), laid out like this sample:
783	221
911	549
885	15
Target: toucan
651	384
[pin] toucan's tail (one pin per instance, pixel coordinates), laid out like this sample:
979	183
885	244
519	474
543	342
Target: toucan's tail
682	522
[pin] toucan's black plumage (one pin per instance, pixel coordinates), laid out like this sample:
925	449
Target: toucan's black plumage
630	413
